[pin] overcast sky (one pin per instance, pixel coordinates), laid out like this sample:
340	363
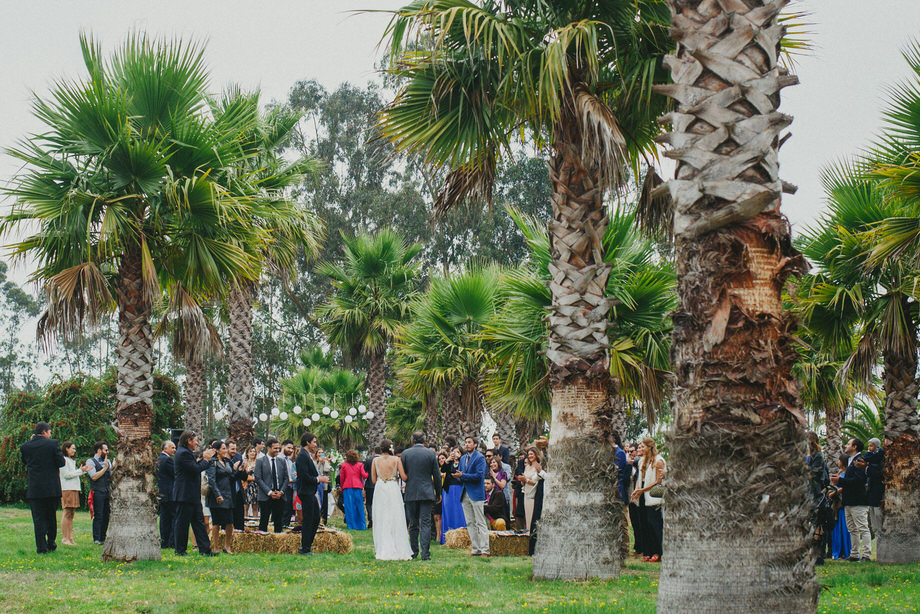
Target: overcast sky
273	44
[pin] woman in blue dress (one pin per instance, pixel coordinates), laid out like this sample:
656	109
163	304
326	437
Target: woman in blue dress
840	535
451	510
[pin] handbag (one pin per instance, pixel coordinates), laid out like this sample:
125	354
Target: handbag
656	491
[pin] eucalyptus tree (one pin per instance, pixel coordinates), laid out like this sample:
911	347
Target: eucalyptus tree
878	296
735	469
372	287
442	348
119	192
577	77
263	177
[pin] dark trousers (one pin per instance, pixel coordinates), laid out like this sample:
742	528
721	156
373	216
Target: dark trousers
369	505
190	514
238	502
652	524
288	510
102	509
167	523
420	523
324	512
44	521
275	509
636	522
310	510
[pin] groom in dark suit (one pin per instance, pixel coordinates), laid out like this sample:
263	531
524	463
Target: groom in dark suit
43	459
423	488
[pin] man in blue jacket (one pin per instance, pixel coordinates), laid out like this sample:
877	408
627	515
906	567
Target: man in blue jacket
472	475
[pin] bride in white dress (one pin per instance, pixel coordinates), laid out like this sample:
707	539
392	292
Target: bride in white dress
391	535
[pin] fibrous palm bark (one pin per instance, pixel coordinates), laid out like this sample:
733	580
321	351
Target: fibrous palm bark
450	413
736	475
833	425
196	390
239	380
376	398
132	532
899	539
579	490
505	427
432	419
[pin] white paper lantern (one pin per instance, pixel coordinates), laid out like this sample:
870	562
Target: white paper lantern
370	415
362	408
314	417
284	415
275	411
334	414
348	419
307	422
298	410
326	411
263	417
353	411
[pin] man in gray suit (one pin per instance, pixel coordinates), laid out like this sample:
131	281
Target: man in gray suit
271	478
423	488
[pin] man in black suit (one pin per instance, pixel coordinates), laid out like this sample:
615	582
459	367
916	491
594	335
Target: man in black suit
423	488
271	480
187	494
307	480
496	507
236	461
372	453
501	449
166	477
43	459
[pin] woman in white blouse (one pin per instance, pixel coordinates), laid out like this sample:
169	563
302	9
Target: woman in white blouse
70	490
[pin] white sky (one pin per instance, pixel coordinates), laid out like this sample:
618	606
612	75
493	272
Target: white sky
272	44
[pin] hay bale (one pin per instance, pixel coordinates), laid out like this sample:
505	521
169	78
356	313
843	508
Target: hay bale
328	540
458	539
507	543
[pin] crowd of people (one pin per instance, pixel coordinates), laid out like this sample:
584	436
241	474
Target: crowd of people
847	498
420	492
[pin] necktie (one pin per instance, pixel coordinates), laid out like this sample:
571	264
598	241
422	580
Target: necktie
274	475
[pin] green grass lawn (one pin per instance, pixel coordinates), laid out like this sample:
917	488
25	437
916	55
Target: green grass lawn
74	579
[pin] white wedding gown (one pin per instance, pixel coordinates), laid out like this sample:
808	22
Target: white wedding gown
391	535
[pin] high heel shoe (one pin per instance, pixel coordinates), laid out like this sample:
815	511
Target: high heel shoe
655	559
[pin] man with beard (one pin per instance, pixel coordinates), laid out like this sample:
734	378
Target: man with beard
99	469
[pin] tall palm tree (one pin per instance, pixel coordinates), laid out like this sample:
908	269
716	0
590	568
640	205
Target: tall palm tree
735	466
643	295
263	177
577	77
370	301
441	345
120	192
877	296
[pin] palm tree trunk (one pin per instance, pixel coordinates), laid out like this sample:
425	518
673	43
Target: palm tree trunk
196	389
735	471
376	398
239	377
899	539
833	423
132	534
527	430
432	427
470	411
505	427
580	534
450	414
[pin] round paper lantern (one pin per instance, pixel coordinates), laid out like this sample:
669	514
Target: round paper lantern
370	415
314	417
352	411
362	408
297	409
275	411
263	417
284	415
307	422
334	414
326	411
348	419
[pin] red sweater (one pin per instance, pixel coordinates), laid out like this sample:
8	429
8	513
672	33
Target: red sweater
353	476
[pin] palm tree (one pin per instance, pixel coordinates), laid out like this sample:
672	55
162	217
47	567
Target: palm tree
441	345
121	193
735	468
875	295
370	301
519	374
577	78
263	177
